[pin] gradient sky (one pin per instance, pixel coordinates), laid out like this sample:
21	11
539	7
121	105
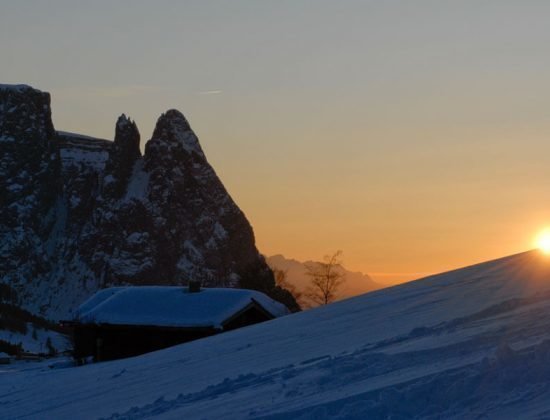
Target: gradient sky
413	135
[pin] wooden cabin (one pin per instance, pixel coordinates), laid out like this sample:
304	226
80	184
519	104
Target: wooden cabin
127	321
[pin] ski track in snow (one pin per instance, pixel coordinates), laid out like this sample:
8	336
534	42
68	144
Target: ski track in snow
471	343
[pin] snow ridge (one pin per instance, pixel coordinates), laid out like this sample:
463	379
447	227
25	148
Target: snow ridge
471	343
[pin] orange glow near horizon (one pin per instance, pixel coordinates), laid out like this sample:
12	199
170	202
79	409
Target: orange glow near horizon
394	254
395	132
543	241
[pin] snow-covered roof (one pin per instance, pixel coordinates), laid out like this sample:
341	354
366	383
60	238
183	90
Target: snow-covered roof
170	306
4	355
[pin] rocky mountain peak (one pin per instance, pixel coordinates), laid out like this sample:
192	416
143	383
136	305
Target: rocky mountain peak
174	136
110	216
126	138
122	157
171	119
29	180
25	114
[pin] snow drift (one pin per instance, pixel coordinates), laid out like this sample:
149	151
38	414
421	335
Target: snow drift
469	343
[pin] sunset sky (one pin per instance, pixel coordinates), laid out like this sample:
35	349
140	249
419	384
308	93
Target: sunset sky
412	135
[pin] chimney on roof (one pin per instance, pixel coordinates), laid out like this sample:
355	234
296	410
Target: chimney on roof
194	286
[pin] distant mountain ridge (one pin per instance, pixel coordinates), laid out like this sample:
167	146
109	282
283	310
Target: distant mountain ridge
356	283
78	214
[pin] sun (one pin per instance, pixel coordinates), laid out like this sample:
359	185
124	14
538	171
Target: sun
543	241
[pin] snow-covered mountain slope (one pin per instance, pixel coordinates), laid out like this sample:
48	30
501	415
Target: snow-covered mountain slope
471	343
78	214
356	283
23	332
36	340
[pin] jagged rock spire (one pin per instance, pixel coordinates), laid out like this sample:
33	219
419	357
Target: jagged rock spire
173	134
126	138
122	157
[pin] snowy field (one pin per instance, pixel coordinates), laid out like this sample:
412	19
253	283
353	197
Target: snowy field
34	341
472	343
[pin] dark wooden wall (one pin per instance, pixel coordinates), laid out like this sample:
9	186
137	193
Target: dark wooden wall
108	342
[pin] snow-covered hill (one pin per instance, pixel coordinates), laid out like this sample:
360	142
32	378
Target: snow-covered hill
472	343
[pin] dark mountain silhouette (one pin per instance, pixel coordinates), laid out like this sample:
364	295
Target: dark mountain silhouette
78	214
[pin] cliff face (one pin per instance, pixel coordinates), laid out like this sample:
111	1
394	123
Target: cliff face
78	214
29	185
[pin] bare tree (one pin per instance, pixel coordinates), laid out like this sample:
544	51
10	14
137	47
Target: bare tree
326	278
281	280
